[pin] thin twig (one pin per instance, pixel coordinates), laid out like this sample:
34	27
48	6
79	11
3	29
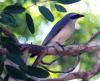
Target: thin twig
85	76
69	70
93	37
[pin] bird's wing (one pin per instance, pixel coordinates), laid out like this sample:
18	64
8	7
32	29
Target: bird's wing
57	27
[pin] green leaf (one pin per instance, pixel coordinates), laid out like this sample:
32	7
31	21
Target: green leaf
6	78
30	23
7	18
37	72
60	8
46	13
14	52
15	9
0	31
16	73
17	60
29	79
1	67
66	1
2	58
35	1
1	79
9	43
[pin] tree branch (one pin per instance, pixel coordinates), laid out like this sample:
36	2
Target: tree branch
85	76
73	50
69	50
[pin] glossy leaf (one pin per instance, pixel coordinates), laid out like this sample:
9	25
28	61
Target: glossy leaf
46	13
15	9
0	28
2	58
1	67
9	43
35	1
17	60
1	79
15	53
66	1
60	8
6	78
30	23
16	73
37	72
8	19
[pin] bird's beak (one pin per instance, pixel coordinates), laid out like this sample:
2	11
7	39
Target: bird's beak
77	16
81	15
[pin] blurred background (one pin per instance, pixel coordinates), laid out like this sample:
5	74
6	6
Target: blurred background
85	28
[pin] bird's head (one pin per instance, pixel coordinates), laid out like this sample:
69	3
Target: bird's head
74	16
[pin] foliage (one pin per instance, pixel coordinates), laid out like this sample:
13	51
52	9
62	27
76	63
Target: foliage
14	15
30	23
17	8
7	17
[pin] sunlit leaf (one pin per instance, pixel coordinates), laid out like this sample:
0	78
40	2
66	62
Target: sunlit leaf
8	19
30	23
15	9
46	13
16	73
60	8
37	72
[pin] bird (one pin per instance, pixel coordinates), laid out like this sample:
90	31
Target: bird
60	32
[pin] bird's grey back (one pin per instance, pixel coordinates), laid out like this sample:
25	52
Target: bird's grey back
57	27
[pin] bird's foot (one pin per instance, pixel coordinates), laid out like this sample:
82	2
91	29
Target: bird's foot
61	45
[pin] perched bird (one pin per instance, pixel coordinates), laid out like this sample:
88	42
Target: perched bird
61	32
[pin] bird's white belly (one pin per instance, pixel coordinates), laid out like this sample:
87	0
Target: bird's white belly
63	35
